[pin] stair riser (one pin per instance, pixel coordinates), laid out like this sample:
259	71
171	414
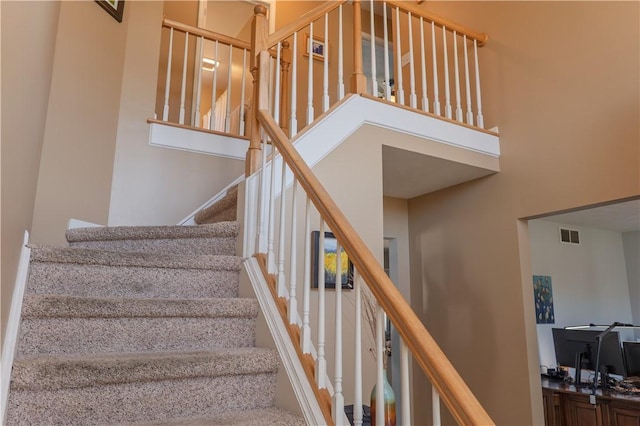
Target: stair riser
197	246
107	281
142	401
106	335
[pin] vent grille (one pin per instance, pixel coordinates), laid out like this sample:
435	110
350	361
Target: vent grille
569	236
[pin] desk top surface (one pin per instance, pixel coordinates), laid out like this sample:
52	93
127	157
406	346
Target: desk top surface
560	386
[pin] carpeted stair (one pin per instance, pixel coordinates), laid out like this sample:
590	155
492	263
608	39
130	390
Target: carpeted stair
141	325
223	210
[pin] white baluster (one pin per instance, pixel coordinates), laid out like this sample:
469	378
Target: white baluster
425	98
340	56
478	97
184	79
387	83
195	117
436	89
447	91
338	398
293	121
305	334
260	235
357	393
380	354
413	99
276	97
165	110
435	406
271	262
457	75
293	299
310	113
468	88
374	71
242	90
227	121
325	63
282	289
405	409
214	85
399	88
321	362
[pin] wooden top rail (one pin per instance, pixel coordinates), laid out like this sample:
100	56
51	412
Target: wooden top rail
482	38
209	35
452	389
303	21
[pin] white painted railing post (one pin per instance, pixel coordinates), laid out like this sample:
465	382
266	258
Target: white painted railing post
467	85
405	392
457	77
435	406
293	299
271	262
387	82
184	78
325	63
338	398
413	100
436	89
165	110
321	362
195	116
380	354
357	394
227	120
212	118
340	56
282	289
399	87
372	50
447	89
305	334
241	130
478	96
310	112
425	98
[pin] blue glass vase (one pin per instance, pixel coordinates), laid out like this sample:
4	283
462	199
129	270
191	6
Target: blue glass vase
389	401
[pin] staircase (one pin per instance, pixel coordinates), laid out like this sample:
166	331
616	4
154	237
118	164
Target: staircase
141	325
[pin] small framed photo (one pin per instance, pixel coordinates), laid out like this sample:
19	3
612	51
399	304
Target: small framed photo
316	46
114	7
330	262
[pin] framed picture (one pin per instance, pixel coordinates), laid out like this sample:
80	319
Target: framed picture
114	7
330	262
543	298
317	46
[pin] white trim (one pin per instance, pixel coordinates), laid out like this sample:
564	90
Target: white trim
77	223
166	136
292	365
13	325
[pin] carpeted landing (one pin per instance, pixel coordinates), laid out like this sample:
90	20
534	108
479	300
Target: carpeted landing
141	326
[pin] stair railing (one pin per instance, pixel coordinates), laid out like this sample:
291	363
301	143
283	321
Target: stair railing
210	71
275	223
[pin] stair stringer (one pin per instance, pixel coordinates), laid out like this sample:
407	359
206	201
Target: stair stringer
304	394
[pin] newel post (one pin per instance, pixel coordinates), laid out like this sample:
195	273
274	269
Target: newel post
259	32
285	62
358	79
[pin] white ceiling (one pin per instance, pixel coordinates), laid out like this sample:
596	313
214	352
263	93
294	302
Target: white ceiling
620	217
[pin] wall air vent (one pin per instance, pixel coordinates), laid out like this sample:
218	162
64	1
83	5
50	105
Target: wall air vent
569	236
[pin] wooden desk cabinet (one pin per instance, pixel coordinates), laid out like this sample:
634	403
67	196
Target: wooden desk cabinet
566	405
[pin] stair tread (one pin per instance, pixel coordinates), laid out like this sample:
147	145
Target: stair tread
62	306
89	256
114	233
223	209
74	371
268	416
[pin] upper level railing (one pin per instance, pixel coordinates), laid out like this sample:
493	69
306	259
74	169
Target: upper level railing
394	51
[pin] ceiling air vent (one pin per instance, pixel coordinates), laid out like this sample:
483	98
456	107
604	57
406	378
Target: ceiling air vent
569	236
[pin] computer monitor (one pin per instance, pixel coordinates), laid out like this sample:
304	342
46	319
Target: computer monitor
631	358
579	349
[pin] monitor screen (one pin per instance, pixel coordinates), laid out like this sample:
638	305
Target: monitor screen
569	343
632	358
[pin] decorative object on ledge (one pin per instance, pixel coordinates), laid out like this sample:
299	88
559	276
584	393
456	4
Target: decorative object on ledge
317	47
543	298
114	7
330	245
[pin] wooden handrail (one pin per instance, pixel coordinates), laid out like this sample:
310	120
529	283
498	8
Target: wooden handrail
303	21
419	12
452	389
209	35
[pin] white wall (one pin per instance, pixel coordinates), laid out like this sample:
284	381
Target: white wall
589	280
631	244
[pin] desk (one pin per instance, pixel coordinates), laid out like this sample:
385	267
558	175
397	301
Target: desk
566	405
